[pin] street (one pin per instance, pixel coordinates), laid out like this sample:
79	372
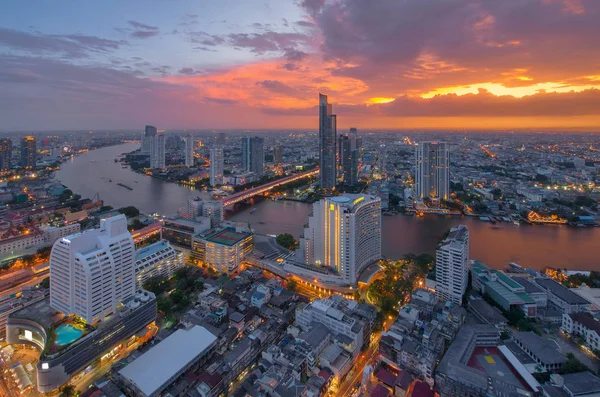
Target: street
368	357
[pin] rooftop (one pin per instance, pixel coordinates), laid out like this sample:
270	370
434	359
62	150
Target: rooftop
562	292
581	383
530	288
544	349
587	320
153	369
151	249
227	237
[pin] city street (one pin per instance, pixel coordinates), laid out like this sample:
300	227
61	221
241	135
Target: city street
367	357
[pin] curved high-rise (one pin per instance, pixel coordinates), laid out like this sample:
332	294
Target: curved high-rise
344	233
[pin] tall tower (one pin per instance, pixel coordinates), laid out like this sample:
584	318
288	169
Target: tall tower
327	141
432	174
451	265
253	155
149	133
28	152
216	166
344	233
5	153
157	153
349	156
277	154
189	150
92	272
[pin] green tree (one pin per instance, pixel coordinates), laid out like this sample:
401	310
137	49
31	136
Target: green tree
572	365
292	285
130	211
156	285
67	391
286	240
45	283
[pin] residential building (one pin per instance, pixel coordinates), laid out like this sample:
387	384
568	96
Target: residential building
147	138
37	239
253	155
157	260
432	175
6	147
451	269
93	271
344	233
180	232
583	325
189	150
157	151
277	154
28	152
211	209
349	156
222	249
216	166
220	139
327	143
561	298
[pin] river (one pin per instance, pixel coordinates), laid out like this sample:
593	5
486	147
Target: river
532	246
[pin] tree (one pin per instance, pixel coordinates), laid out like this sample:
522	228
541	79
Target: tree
164	305
292	285
67	391
156	285
286	240
45	283
129	212
572	365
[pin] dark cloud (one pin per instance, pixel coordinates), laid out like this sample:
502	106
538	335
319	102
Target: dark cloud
144	34
305	24
294	55
266	42
141	30
292	67
142	26
189	71
277	87
220	101
206	39
74	45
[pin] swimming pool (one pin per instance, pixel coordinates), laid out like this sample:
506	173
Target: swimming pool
66	334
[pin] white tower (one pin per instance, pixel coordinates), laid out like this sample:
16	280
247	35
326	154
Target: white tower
189	150
157	152
93	271
451	265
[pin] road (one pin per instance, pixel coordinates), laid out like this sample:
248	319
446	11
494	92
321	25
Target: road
366	357
34	280
568	346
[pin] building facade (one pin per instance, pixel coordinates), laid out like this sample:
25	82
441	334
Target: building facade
216	166
432	171
93	271
28	152
157	151
344	233
451	269
223	250
327	143
277	154
147	137
349	156
6	147
189	150
253	155
157	260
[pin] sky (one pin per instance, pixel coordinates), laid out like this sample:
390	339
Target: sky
233	64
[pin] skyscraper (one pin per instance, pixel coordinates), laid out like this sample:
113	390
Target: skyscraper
432	173
93	271
344	233
327	143
451	265
28	152
277	154
149	133
216	166
189	150
253	155
157	152
349	156
211	209
5	153
221	139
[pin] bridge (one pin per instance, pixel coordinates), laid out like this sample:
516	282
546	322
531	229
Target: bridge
246	194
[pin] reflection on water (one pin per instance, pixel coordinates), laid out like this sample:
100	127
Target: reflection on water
532	246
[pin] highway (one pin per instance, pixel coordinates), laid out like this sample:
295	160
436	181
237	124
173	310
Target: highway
34	280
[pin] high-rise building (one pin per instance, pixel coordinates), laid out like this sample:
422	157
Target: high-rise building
432	173
157	152
277	154
451	265
253	154
157	260
28	152
93	271
216	166
189	150
327	142
221	139
211	209
5	153
348	156
149	133
344	233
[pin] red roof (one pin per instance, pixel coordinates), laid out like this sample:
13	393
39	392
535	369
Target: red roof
403	380
385	376
422	389
211	380
380	391
325	374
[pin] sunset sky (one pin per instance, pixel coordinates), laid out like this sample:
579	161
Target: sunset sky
448	64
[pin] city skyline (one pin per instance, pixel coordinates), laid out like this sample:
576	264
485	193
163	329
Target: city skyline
468	65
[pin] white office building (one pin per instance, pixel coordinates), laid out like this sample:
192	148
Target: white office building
157	260
189	150
344	233
216	166
451	265
157	151
211	209
432	173
91	272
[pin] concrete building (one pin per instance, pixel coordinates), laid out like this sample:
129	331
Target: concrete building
189	150
545	352
180	232
561	298
6	148
349	156
211	209
583	325
40	238
451	269
343	233
28	152
157	151
327	143
156	260
253	155
432	175
93	271
216	166
222	249
147	137
277	154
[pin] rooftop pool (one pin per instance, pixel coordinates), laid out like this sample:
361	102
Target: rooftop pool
66	334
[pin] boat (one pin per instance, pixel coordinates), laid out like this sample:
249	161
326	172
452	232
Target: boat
125	186
484	218
110	180
252	210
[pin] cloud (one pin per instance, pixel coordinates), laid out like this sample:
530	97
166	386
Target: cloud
277	87
294	55
189	71
220	101
141	26
268	41
144	34
142	31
